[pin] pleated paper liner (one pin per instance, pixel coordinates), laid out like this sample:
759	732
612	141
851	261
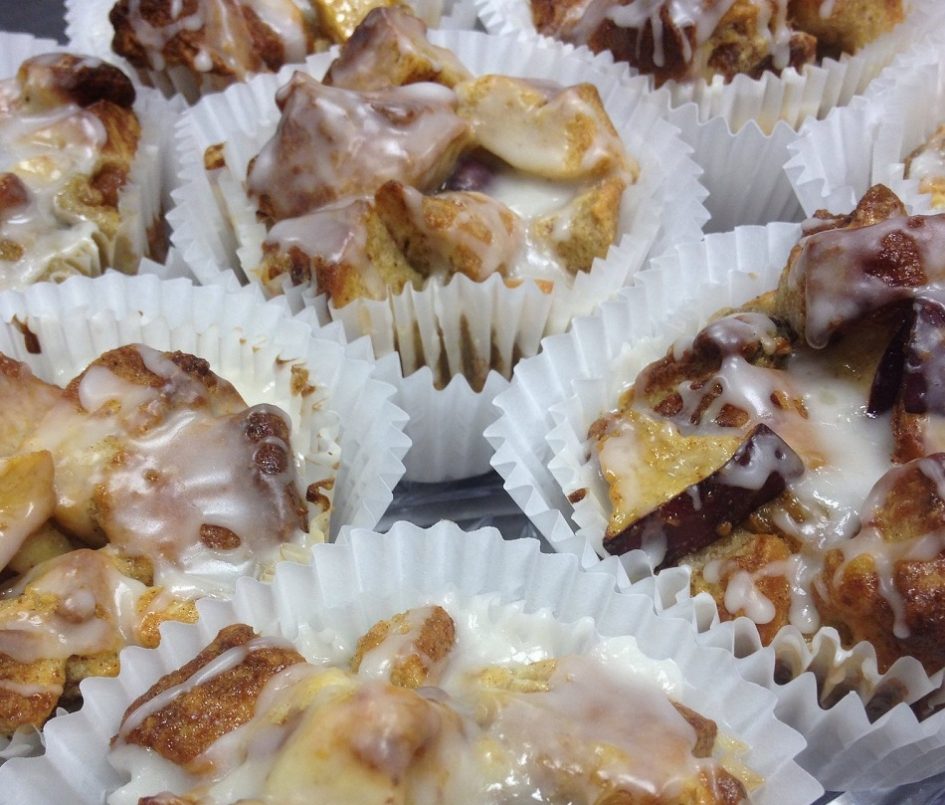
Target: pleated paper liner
88	27
367	576
459	326
543	453
141	200
751	122
836	159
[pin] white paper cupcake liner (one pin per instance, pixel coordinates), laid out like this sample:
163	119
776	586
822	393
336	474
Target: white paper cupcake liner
141	200
751	122
835	160
367	576
543	453
88	28
446	425
662	208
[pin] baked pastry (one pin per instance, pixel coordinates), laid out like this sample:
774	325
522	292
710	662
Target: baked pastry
222	39
205	45
424	171
927	164
708	38
68	140
790	454
145	483
413	716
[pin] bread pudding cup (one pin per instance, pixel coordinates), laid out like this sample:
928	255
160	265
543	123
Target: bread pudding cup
870	716
751	121
282	34
86	165
271	437
530	605
878	138
458	327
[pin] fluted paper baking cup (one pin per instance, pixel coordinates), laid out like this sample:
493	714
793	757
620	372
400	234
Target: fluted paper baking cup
446	424
752	121
368	576
88	28
833	695
835	160
141	199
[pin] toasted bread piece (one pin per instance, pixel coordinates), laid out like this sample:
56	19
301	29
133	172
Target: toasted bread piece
390	49
27	500
339	19
344	250
729	571
531	678
849	25
334	143
132	438
465	232
589	224
561	133
29	692
671	43
881	263
182	728
927	164
410	646
230	38
54	79
67	619
904	508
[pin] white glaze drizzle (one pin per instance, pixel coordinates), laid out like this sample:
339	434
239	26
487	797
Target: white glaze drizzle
45	148
845	452
830	270
225	38
226	661
362	140
476	742
170	464
97	609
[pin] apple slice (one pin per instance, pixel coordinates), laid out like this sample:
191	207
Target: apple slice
702	513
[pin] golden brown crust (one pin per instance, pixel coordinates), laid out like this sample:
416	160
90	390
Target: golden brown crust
850	25
465	233
263	49
185	727
390	49
432	641
911	507
29	692
129	364
878	204
746	552
740	43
